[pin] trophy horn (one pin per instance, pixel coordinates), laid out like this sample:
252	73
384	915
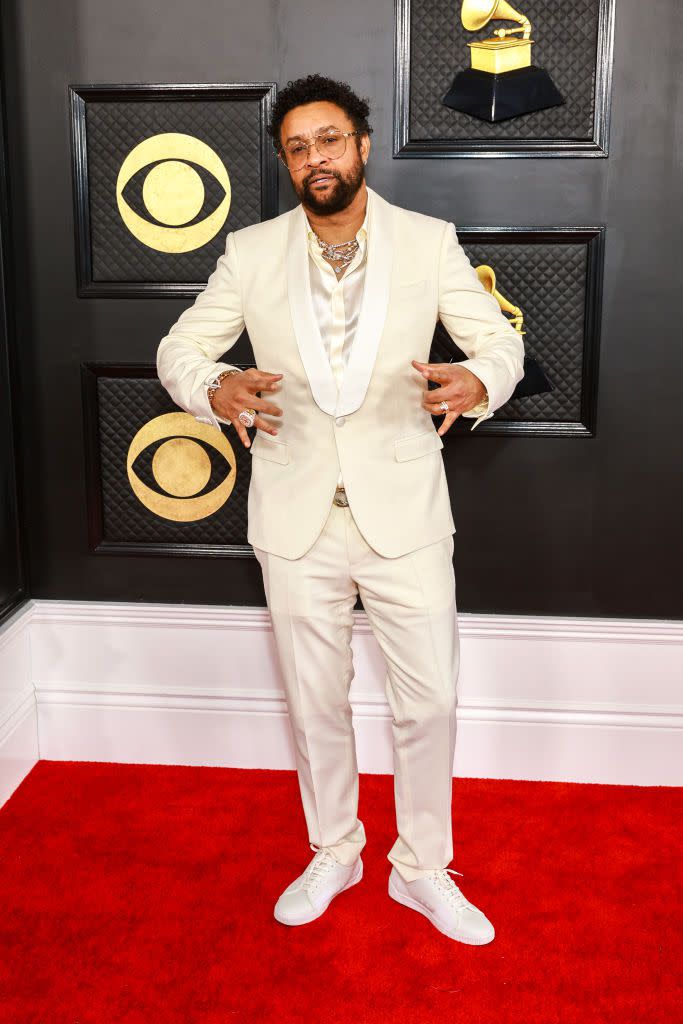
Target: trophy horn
487	276
477	13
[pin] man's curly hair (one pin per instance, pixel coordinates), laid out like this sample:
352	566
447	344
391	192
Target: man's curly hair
315	89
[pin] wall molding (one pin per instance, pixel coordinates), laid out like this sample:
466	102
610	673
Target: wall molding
18	708
242	617
547	698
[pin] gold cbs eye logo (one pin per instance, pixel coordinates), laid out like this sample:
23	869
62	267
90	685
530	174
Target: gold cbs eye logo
173	192
182	467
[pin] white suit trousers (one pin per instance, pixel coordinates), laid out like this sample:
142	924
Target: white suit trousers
411	607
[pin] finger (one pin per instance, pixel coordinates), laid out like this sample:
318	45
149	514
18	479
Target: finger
254	371
432	370
267	389
261	377
436	410
253	387
264	406
242	431
264	425
448	421
445	393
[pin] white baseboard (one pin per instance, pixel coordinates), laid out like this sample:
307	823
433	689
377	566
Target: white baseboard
565	699
18	711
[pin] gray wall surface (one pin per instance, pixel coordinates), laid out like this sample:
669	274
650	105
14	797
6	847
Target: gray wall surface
545	525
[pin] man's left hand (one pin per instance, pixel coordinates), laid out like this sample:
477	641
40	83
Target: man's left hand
458	386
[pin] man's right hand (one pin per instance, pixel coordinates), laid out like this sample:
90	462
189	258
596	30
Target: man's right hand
238	391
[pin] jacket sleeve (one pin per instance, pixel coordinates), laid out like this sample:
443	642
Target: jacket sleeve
187	357
475	322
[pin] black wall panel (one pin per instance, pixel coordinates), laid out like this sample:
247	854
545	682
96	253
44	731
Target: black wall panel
13	577
585	525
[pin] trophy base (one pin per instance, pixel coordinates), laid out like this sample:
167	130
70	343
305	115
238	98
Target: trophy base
498	97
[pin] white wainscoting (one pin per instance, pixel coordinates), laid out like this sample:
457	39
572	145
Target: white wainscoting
567	699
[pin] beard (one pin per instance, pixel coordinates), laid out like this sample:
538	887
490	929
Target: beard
338	195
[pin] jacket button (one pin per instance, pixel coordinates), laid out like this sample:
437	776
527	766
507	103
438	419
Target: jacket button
340	421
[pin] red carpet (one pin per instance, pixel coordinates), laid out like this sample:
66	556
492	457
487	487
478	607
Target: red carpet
135	894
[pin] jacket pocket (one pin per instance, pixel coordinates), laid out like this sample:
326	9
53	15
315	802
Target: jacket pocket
417	444
266	447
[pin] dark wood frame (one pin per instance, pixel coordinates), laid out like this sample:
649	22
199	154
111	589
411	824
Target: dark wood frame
97	545
594	239
598	146
79	96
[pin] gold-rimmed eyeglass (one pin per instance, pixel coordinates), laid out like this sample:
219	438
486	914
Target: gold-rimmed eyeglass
331	144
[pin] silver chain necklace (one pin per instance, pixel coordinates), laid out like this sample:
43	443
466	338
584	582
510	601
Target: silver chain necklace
343	252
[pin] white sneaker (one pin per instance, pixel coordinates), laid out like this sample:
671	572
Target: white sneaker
437	897
311	893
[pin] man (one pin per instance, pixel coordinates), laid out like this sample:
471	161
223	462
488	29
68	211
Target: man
348	492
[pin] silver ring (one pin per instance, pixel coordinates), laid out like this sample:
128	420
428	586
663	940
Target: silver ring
444	406
247	417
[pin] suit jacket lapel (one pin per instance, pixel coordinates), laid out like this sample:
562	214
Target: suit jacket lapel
306	330
374	306
372	314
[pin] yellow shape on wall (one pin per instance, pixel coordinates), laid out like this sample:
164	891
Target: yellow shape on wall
173	192
181	466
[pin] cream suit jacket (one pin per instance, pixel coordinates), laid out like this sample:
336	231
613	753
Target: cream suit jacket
373	428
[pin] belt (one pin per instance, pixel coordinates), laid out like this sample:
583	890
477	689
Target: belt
340	498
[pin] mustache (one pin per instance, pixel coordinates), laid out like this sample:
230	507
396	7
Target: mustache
320	174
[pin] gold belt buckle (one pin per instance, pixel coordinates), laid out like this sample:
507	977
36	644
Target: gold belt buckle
340	498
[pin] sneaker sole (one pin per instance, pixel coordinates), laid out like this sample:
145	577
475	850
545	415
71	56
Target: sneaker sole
353	880
408	901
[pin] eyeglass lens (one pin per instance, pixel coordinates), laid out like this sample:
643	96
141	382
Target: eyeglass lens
331	144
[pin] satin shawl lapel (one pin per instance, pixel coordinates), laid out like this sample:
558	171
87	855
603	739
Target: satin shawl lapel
308	337
373	311
373	308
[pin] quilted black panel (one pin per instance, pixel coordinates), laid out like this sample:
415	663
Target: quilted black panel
548	282
125	404
565	44
231	127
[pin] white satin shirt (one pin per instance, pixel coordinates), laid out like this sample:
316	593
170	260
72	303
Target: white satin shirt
336	301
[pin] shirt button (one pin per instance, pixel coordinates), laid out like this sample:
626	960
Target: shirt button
340	421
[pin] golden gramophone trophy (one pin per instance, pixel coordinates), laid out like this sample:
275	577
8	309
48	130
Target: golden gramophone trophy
535	380
502	82
487	276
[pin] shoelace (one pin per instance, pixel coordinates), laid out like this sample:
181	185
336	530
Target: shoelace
321	863
448	886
